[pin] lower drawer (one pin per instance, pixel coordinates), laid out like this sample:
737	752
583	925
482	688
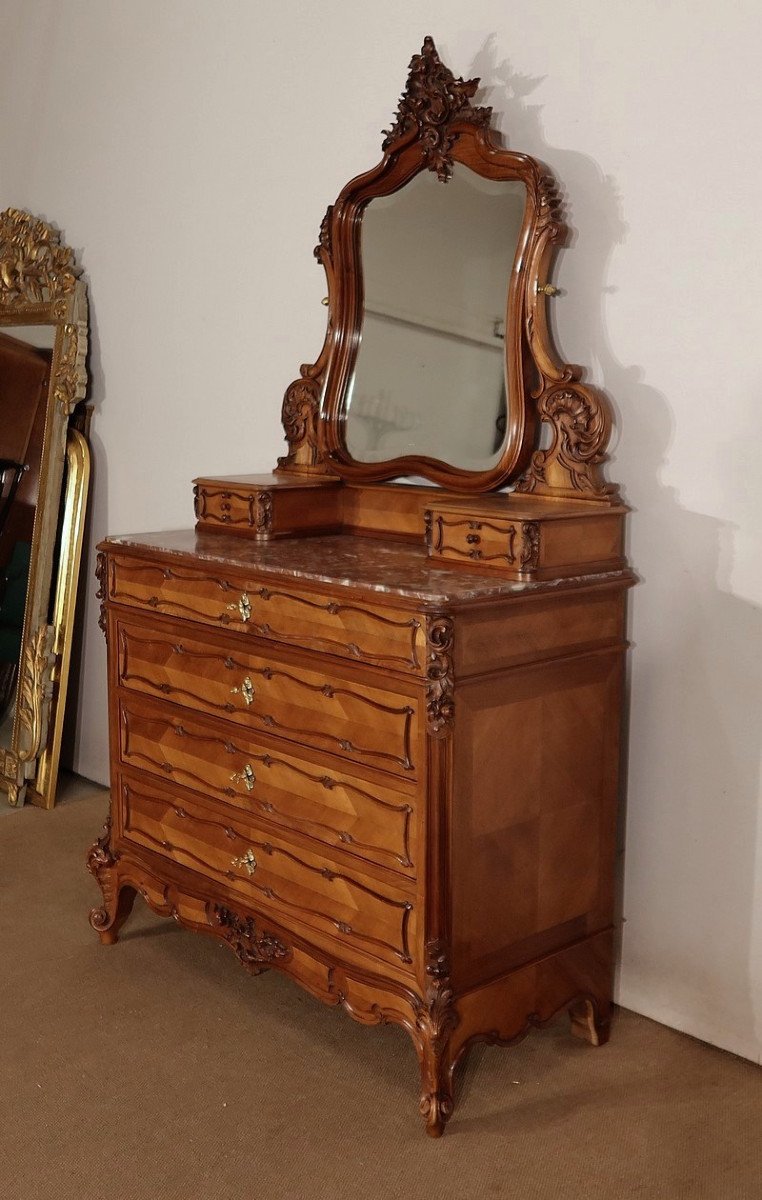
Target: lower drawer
375	822
297	887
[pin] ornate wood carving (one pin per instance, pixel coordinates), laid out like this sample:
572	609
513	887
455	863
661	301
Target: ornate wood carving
34	267
580	421
255	951
530	545
263	513
101	574
433	101
440	676
436	1019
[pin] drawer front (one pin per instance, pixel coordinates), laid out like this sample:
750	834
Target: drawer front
361	723
283	614
493	542
374	822
299	887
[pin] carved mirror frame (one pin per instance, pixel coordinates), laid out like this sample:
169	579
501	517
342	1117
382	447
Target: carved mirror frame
39	286
435	127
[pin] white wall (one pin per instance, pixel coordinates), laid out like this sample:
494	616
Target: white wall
188	151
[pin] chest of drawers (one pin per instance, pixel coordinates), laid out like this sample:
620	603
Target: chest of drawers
393	780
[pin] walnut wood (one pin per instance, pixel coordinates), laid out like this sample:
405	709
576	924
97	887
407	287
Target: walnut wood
437	126
375	759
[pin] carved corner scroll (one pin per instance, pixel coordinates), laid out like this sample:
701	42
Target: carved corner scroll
440	675
432	102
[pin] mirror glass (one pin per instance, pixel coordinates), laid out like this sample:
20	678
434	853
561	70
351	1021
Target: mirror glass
26	353
429	376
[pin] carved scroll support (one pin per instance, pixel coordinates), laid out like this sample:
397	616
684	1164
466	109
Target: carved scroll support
571	467
101	574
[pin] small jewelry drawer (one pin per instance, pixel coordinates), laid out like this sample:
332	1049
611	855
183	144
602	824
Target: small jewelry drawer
298	887
372	822
391	639
221	677
511	546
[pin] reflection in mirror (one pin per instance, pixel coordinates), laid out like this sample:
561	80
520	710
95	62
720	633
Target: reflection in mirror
430	372
25	358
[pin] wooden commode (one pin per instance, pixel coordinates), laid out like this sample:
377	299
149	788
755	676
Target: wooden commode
366	732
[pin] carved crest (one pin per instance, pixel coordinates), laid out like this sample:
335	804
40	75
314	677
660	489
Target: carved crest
34	267
434	100
440	677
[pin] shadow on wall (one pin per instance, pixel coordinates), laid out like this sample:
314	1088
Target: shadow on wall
694	690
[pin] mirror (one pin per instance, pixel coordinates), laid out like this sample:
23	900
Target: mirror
25	360
44	471
438	360
429	375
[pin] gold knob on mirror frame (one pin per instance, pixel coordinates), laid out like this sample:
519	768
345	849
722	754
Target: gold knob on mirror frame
246	860
547	289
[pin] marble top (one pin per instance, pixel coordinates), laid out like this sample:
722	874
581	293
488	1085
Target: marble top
363	563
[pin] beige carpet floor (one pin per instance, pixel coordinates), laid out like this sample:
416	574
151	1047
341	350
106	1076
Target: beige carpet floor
158	1069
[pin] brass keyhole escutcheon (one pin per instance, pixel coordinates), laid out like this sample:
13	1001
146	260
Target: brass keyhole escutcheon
246	690
246	777
243	607
246	860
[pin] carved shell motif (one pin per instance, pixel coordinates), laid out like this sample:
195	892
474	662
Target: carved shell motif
34	267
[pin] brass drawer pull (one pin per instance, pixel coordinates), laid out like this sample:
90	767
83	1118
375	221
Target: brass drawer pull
246	860
243	606
246	690
246	777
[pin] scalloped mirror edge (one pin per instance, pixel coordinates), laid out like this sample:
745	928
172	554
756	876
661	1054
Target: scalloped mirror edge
435	126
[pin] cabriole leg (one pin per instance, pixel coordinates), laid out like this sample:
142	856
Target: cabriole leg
590	1021
108	920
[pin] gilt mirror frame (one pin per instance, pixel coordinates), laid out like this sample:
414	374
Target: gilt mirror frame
435	127
39	286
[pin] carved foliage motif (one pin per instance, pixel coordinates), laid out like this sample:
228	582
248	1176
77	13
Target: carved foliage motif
434	100
100	862
101	574
70	380
530	545
263	513
35	691
300	417
440	679
254	950
581	422
34	267
436	1018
